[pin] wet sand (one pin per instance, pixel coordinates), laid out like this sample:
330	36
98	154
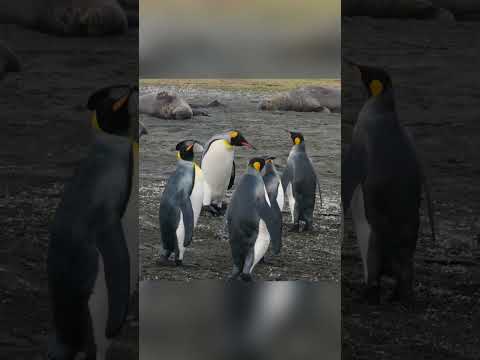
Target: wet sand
44	134
305	256
440	107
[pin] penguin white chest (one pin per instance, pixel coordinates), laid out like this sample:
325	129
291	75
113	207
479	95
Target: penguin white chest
361	225
263	238
181	237
217	166
261	243
291	201
280	196
98	306
197	195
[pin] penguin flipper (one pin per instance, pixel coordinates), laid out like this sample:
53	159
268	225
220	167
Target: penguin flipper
317	182
232	176
113	248
287	176
353	173
187	212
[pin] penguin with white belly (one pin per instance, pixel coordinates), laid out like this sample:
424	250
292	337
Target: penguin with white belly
218	167
92	253
251	222
382	184
273	184
300	183
181	203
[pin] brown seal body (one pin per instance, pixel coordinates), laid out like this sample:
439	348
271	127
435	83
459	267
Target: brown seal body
165	105
67	17
443	10
305	99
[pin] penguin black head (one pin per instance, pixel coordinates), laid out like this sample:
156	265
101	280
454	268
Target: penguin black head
237	139
257	163
297	138
115	110
269	159
185	149
376	80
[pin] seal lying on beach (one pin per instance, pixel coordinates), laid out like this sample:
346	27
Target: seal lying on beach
305	99
168	105
8	61
444	10
70	17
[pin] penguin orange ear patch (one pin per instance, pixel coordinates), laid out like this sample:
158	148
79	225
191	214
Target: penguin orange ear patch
297	141
189	147
376	87
257	165
117	105
233	134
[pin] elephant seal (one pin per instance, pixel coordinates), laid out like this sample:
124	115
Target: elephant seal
416	9
67	17
167	105
305	99
8	61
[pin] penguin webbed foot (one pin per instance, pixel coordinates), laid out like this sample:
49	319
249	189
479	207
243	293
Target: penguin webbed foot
294	228
163	260
215	210
246	277
372	294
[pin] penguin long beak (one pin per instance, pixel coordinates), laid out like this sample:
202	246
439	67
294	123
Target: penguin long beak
247	145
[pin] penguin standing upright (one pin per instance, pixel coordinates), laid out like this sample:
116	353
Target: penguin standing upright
273	184
181	203
94	237
218	167
382	183
251	222
300	183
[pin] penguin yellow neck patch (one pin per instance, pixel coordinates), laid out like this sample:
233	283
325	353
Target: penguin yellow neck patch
297	141
227	145
376	87
257	165
178	155
94	121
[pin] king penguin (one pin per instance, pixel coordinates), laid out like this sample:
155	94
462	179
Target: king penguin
218	167
382	184
181	203
300	183
273	184
251	222
92	253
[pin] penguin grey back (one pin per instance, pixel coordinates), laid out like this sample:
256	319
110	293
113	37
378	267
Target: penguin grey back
176	198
